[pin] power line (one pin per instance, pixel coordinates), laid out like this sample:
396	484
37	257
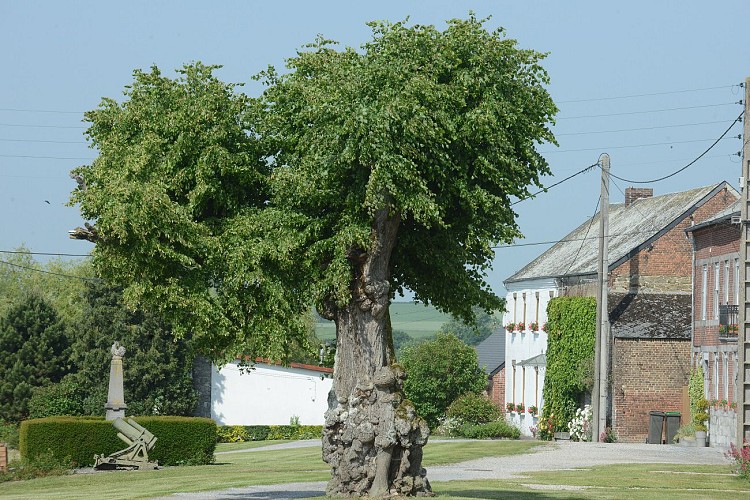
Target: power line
42	140
54	254
630	146
41	126
639	128
49	157
544	190
648	111
736	120
648	94
41	111
568	240
62	275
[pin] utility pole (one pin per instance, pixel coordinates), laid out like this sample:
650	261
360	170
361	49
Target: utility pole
600	392
743	340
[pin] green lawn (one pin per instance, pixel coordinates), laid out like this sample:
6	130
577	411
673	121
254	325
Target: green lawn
231	470
304	464
631	481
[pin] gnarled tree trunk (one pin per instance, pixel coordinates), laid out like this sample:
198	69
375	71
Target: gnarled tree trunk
373	438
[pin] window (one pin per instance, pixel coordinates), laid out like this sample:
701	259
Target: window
523	318
716	375
704	292
536	312
715	305
736	281
515	297
726	282
725	376
514	381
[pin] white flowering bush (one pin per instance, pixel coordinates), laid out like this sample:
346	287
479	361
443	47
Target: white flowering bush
449	426
580	426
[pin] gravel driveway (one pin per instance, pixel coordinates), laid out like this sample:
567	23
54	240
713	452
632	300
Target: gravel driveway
560	455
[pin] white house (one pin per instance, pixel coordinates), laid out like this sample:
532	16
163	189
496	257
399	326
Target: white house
525	364
269	394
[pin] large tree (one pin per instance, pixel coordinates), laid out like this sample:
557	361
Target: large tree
34	352
357	174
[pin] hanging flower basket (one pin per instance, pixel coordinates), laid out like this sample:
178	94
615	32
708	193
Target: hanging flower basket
510	327
532	410
521	326
511	407
534	327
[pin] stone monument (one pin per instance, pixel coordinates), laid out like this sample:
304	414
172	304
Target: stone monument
115	405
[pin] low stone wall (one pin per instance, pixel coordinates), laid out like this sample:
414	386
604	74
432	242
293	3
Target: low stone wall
722	427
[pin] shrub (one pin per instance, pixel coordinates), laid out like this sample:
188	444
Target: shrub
181	440
439	371
473	409
239	433
9	434
232	434
449	426
62	399
580	427
741	457
496	429
701	415
46	464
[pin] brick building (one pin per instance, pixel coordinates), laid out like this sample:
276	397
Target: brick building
716	292
650	283
491	357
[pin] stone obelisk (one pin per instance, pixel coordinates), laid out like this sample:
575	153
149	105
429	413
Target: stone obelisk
115	405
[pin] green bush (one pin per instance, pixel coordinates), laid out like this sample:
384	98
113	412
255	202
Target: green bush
496	429
9	434
439	371
238	433
46	464
473	408
61	399
180	440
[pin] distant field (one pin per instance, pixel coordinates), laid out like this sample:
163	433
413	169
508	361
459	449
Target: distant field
416	320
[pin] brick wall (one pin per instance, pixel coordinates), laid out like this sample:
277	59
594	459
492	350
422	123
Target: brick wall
667	265
496	388
647	375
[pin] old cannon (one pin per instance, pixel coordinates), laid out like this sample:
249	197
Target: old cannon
135	456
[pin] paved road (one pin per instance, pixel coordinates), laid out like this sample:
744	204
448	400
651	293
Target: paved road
560	455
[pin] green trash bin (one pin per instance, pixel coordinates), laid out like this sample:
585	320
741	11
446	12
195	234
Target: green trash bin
656	427
673	424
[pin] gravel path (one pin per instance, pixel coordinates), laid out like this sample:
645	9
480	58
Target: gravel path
558	456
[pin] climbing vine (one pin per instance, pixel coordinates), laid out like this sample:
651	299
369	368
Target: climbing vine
571	328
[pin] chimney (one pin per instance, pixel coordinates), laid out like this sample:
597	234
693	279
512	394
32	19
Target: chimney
632	194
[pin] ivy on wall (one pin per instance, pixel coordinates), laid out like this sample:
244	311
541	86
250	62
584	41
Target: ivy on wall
571	329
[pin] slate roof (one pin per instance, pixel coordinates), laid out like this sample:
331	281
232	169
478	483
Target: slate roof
491	352
650	315
631	228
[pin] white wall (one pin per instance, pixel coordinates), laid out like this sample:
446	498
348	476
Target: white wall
268	395
526	386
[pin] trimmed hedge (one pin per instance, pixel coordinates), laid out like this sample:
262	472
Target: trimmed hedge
180	440
240	433
497	429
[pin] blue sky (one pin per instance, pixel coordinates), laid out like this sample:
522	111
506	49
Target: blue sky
684	61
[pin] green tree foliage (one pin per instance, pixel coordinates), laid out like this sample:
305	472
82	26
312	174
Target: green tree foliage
571	328
157	368
438	372
472	333
60	283
231	216
34	352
